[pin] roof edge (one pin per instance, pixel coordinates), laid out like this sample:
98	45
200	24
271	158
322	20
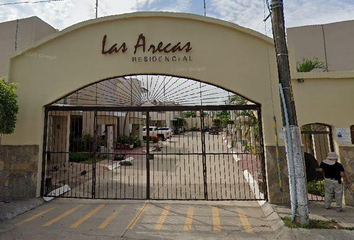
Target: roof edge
187	16
323	75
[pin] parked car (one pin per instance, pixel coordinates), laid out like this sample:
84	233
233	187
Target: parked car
214	130
153	130
172	132
166	131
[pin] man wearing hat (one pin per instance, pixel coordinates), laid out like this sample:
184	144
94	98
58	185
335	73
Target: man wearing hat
333	172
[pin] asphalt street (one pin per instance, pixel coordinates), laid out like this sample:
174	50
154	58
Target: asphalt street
108	219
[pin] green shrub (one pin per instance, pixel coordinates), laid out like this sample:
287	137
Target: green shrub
81	144
307	65
316	188
78	157
88	142
126	163
123	139
137	141
8	107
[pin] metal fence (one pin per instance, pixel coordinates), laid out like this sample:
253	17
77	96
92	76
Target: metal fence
317	140
159	152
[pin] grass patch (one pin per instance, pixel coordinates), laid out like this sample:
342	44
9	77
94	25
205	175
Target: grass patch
126	163
84	158
315	224
90	160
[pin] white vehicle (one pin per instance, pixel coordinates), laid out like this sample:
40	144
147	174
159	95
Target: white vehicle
161	133
167	130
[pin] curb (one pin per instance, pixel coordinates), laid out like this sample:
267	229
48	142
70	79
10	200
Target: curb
280	231
13	208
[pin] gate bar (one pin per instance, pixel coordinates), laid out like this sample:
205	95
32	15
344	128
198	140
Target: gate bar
203	155
262	155
147	155
93	194
153	108
44	151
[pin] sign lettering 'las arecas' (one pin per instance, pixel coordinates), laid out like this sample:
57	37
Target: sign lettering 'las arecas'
142	47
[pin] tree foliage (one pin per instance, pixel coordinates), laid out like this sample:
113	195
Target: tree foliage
222	118
188	114
237	100
8	107
308	65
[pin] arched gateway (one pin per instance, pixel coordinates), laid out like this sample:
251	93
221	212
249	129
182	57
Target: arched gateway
154	137
114	88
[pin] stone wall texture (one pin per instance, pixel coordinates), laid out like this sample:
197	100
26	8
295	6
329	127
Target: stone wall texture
275	195
347	157
18	171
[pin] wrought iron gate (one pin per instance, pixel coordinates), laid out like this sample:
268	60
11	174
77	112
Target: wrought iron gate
113	139
318	141
215	153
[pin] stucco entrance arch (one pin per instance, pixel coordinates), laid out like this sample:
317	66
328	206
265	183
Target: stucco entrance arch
190	46
205	142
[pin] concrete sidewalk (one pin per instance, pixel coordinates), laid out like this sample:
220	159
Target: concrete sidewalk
272	218
12	208
141	219
317	212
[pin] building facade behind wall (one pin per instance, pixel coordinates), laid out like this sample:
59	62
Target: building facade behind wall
18	176
330	43
21	33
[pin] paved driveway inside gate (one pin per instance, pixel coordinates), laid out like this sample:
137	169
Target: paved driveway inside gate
108	219
176	172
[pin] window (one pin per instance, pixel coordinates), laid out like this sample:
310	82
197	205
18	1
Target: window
352	133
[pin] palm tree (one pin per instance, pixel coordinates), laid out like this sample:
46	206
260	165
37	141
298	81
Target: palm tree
308	65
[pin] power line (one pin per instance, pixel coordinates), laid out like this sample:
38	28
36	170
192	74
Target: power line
26	2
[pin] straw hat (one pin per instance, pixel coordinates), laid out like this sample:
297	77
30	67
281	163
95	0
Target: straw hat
331	158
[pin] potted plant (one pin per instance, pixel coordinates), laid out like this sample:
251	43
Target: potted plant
119	142
155	139
137	141
131	142
125	141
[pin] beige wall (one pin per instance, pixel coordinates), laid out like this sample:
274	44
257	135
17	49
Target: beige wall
325	98
195	122
230	56
60	134
334	40
79	63
243	54
29	31
165	118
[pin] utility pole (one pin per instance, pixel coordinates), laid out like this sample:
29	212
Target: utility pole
294	153
204	8
96	8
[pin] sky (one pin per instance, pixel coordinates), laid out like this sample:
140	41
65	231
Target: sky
246	13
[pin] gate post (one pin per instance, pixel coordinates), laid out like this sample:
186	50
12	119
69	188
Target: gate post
93	193
147	155
44	151
262	155
203	155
